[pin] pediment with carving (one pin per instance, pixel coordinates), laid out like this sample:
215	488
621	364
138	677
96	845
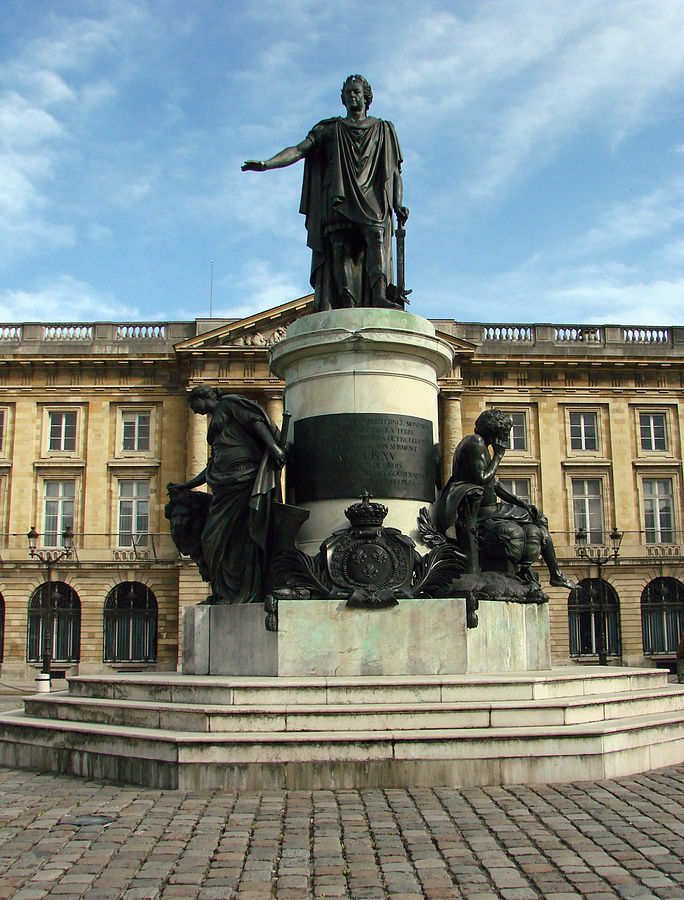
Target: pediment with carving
256	332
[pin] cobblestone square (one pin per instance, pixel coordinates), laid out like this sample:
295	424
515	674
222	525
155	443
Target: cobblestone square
622	838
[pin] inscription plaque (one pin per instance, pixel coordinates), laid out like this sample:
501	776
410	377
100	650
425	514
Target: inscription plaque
340	456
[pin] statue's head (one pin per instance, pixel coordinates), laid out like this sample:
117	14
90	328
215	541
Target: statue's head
493	425
200	396
367	91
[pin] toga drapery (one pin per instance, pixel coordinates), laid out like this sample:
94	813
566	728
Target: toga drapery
242	481
348	184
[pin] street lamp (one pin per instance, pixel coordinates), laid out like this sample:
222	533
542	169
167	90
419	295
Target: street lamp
49	558
601	556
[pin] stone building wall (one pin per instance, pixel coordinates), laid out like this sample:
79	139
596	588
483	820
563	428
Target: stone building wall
103	371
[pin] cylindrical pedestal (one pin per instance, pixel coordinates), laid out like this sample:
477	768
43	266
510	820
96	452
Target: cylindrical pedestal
361	387
42	683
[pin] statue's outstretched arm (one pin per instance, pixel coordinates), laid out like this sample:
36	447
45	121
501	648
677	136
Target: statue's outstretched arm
286	157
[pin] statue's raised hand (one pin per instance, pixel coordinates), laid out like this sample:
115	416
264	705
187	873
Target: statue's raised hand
254	165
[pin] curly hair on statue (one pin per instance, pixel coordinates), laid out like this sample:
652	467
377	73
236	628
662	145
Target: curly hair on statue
367	91
494	424
204	392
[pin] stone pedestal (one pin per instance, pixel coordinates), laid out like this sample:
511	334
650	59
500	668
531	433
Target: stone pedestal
327	638
372	375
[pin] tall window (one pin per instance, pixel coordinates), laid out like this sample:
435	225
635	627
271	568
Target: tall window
662	615
130	624
517	439
518	486
583	431
134	513
64	609
658	511
2	628
587	506
584	605
135	431
652	431
59	511
62	431
2	430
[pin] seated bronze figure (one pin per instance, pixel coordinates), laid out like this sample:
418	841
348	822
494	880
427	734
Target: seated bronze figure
497	531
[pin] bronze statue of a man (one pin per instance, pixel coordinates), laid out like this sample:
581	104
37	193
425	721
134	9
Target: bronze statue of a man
352	184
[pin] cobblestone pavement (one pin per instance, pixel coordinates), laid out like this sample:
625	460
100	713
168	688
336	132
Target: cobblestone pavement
65	837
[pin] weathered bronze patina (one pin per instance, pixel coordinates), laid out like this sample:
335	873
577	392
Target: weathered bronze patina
352	184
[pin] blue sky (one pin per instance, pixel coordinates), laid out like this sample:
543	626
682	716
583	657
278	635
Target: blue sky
543	146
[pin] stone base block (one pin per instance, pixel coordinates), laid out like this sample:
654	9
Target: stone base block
417	637
228	640
510	637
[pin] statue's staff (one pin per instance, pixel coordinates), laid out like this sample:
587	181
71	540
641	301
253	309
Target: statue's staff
402	293
284	428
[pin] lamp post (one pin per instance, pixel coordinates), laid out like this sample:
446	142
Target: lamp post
49	558
601	556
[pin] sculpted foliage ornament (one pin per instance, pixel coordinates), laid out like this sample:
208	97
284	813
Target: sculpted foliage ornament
367	565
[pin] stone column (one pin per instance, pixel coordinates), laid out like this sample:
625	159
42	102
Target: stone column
197	446
450	426
274	406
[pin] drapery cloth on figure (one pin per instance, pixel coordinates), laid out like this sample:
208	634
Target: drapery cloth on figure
242	481
348	185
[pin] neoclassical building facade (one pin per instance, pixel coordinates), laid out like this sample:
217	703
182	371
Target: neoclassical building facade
94	423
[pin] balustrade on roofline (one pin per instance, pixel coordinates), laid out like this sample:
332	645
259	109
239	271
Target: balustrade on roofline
68	332
516	333
646	335
575	334
10	333
508	333
141	331
79	332
578	334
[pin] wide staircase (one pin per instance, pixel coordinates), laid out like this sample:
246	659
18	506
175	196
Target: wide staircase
192	732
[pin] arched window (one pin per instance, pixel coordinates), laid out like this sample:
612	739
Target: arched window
584	605
662	615
130	624
2	628
63	607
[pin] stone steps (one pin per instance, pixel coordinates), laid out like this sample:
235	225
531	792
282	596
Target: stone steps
189	732
268	718
571	681
314	760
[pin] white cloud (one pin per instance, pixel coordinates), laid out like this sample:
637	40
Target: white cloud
258	287
53	87
641	218
511	83
603	77
23	125
653	303
65	299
